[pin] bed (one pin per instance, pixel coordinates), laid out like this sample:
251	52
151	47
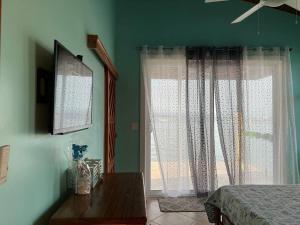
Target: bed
255	205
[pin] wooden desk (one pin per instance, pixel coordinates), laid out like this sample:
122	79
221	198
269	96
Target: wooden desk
120	199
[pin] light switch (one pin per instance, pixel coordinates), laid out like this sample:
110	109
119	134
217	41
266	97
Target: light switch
4	155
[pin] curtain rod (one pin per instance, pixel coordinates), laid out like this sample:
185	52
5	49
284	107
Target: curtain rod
251	48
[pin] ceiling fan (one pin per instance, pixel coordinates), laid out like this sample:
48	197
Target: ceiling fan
270	3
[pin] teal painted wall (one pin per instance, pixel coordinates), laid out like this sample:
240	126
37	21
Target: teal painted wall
37	162
187	22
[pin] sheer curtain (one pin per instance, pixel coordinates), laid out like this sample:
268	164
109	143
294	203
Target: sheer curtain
248	94
163	72
268	129
200	119
218	116
228	96
213	112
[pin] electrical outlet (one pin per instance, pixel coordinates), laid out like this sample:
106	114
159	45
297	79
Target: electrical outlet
4	155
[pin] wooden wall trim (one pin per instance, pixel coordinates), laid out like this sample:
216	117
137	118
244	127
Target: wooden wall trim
95	44
111	75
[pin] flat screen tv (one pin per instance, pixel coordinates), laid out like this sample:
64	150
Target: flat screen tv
73	91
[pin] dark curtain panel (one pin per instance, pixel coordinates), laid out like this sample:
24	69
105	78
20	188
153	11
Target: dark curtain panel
212	86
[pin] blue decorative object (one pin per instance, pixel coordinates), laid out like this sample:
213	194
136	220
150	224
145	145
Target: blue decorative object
78	151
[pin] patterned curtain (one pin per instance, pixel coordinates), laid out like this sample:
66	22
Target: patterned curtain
268	129
163	73
228	97
213	78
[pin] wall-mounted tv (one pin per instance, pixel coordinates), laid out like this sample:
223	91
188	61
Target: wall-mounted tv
73	91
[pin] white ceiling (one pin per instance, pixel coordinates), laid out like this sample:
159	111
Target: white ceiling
294	3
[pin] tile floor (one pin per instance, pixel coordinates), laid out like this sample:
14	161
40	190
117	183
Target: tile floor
156	217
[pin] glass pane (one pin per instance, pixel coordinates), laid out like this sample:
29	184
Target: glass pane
168	108
156	182
258	112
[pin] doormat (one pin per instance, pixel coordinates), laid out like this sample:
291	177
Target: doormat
182	204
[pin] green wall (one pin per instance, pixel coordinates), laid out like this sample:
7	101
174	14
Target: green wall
187	22
37	162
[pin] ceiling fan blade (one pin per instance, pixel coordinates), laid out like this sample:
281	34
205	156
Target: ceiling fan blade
293	4
249	12
213	1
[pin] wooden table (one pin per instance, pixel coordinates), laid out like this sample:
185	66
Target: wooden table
120	199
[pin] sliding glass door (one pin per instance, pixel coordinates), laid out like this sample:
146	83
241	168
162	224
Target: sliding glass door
258	160
171	163
168	167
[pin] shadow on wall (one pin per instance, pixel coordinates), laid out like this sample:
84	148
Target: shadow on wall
40	64
46	216
40	108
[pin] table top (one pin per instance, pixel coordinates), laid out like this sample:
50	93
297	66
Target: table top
119	199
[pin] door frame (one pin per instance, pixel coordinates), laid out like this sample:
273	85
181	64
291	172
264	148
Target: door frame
94	43
144	166
107	131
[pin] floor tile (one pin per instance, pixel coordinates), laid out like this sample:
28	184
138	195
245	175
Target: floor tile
197	216
202	223
156	217
173	219
153	210
151	223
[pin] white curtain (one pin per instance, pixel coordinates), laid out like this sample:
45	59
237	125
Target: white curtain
269	148
245	132
163	72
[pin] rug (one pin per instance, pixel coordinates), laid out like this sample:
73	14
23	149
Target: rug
182	204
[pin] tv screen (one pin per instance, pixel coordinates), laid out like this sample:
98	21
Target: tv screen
73	87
